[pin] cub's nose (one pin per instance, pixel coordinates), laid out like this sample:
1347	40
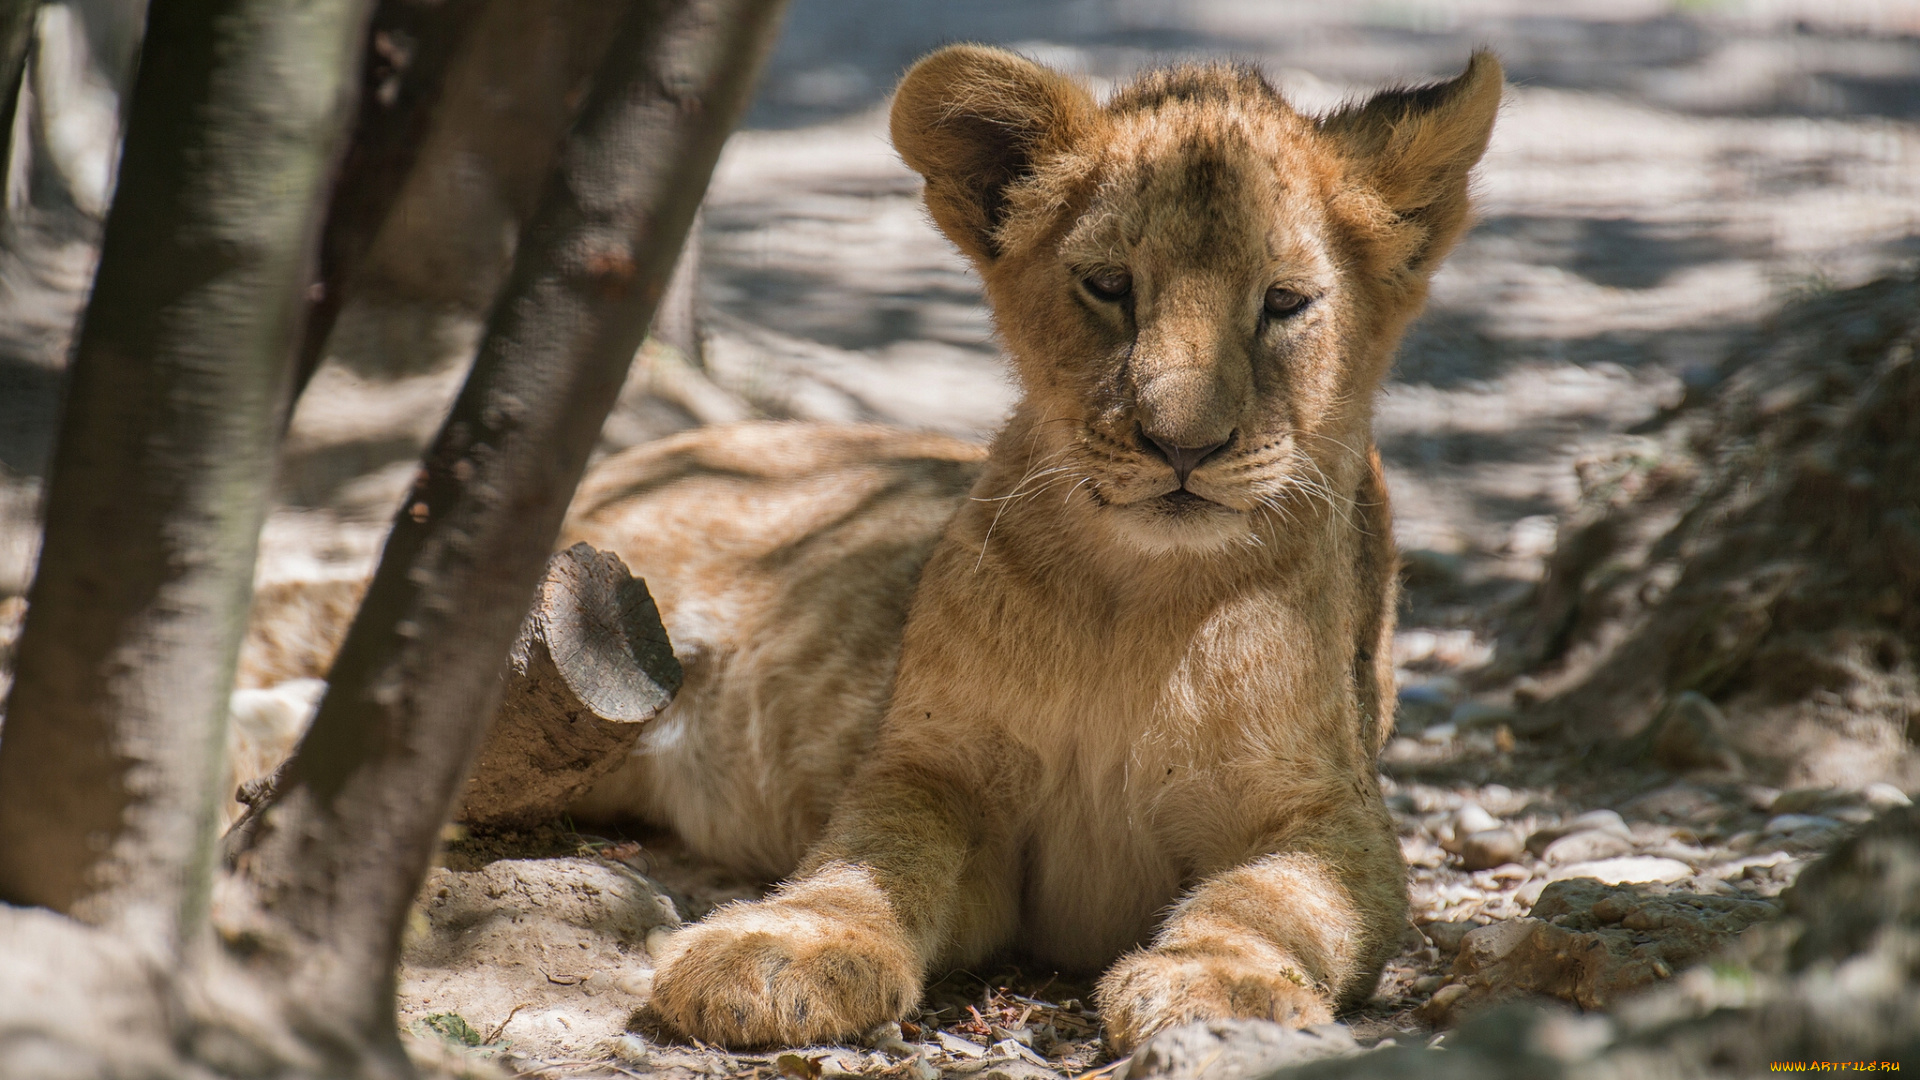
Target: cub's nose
1184	459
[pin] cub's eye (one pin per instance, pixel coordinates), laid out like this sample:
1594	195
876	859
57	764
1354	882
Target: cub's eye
1282	302
1109	285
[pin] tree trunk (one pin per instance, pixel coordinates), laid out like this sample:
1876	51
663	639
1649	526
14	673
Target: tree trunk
164	462
678	322
591	666
411	45
16	31
332	862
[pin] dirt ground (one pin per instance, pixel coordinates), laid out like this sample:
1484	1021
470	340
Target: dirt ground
1666	180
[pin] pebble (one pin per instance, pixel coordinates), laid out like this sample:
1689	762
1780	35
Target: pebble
1884	796
1488	848
1605	820
1793	823
1472	818
1626	869
1805	800
1586	845
1231	1049
1589	944
1481	714
1446	936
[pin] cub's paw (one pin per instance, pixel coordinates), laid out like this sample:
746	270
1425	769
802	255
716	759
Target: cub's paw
1154	989
779	973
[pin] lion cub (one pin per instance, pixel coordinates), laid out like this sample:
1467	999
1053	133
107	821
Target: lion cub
1121	706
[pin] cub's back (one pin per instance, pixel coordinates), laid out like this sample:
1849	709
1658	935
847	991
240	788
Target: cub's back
782	556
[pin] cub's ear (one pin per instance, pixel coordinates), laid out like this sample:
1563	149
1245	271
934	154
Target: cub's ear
1413	149
974	120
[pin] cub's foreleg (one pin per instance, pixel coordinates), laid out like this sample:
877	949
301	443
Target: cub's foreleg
1288	937
903	880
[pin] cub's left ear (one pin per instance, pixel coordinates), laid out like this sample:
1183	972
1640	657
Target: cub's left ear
1413	150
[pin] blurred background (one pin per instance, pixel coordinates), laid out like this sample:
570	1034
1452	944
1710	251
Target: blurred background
1665	176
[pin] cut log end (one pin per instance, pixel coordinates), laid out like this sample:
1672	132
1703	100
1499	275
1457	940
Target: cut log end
592	664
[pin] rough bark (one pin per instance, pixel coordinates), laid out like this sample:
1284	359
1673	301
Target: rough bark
592	664
331	864
410	47
164	462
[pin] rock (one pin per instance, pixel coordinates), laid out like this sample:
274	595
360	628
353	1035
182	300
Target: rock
1446	936
1805	800
1626	869
1586	845
1786	824
1230	1049
1469	715
1588	943
1884	796
1608	821
1489	848
1487	945
1691	733
1472	818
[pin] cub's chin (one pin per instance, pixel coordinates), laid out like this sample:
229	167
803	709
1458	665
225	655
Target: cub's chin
1181	522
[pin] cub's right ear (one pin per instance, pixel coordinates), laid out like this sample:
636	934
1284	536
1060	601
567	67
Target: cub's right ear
973	121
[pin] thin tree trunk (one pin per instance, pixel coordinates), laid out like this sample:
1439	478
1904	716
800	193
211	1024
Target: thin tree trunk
411	45
163	464
16	33
332	862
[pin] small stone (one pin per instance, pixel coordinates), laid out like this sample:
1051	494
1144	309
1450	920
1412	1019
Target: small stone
1234	1049
1804	800
1486	945
1470	715
1604	820
1439	1008
1439	733
1607	821
1446	936
1884	796
1489	848
1471	818
1785	824
1586	846
954	1044
1626	869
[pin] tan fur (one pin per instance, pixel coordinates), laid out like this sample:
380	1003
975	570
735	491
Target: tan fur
1117	720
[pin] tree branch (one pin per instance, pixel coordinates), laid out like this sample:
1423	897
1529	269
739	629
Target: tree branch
410	46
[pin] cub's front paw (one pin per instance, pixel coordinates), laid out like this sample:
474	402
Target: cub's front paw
778	973
1154	989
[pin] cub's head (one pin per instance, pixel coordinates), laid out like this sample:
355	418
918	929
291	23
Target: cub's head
1201	288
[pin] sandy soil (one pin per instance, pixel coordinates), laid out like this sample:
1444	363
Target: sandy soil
1663	178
